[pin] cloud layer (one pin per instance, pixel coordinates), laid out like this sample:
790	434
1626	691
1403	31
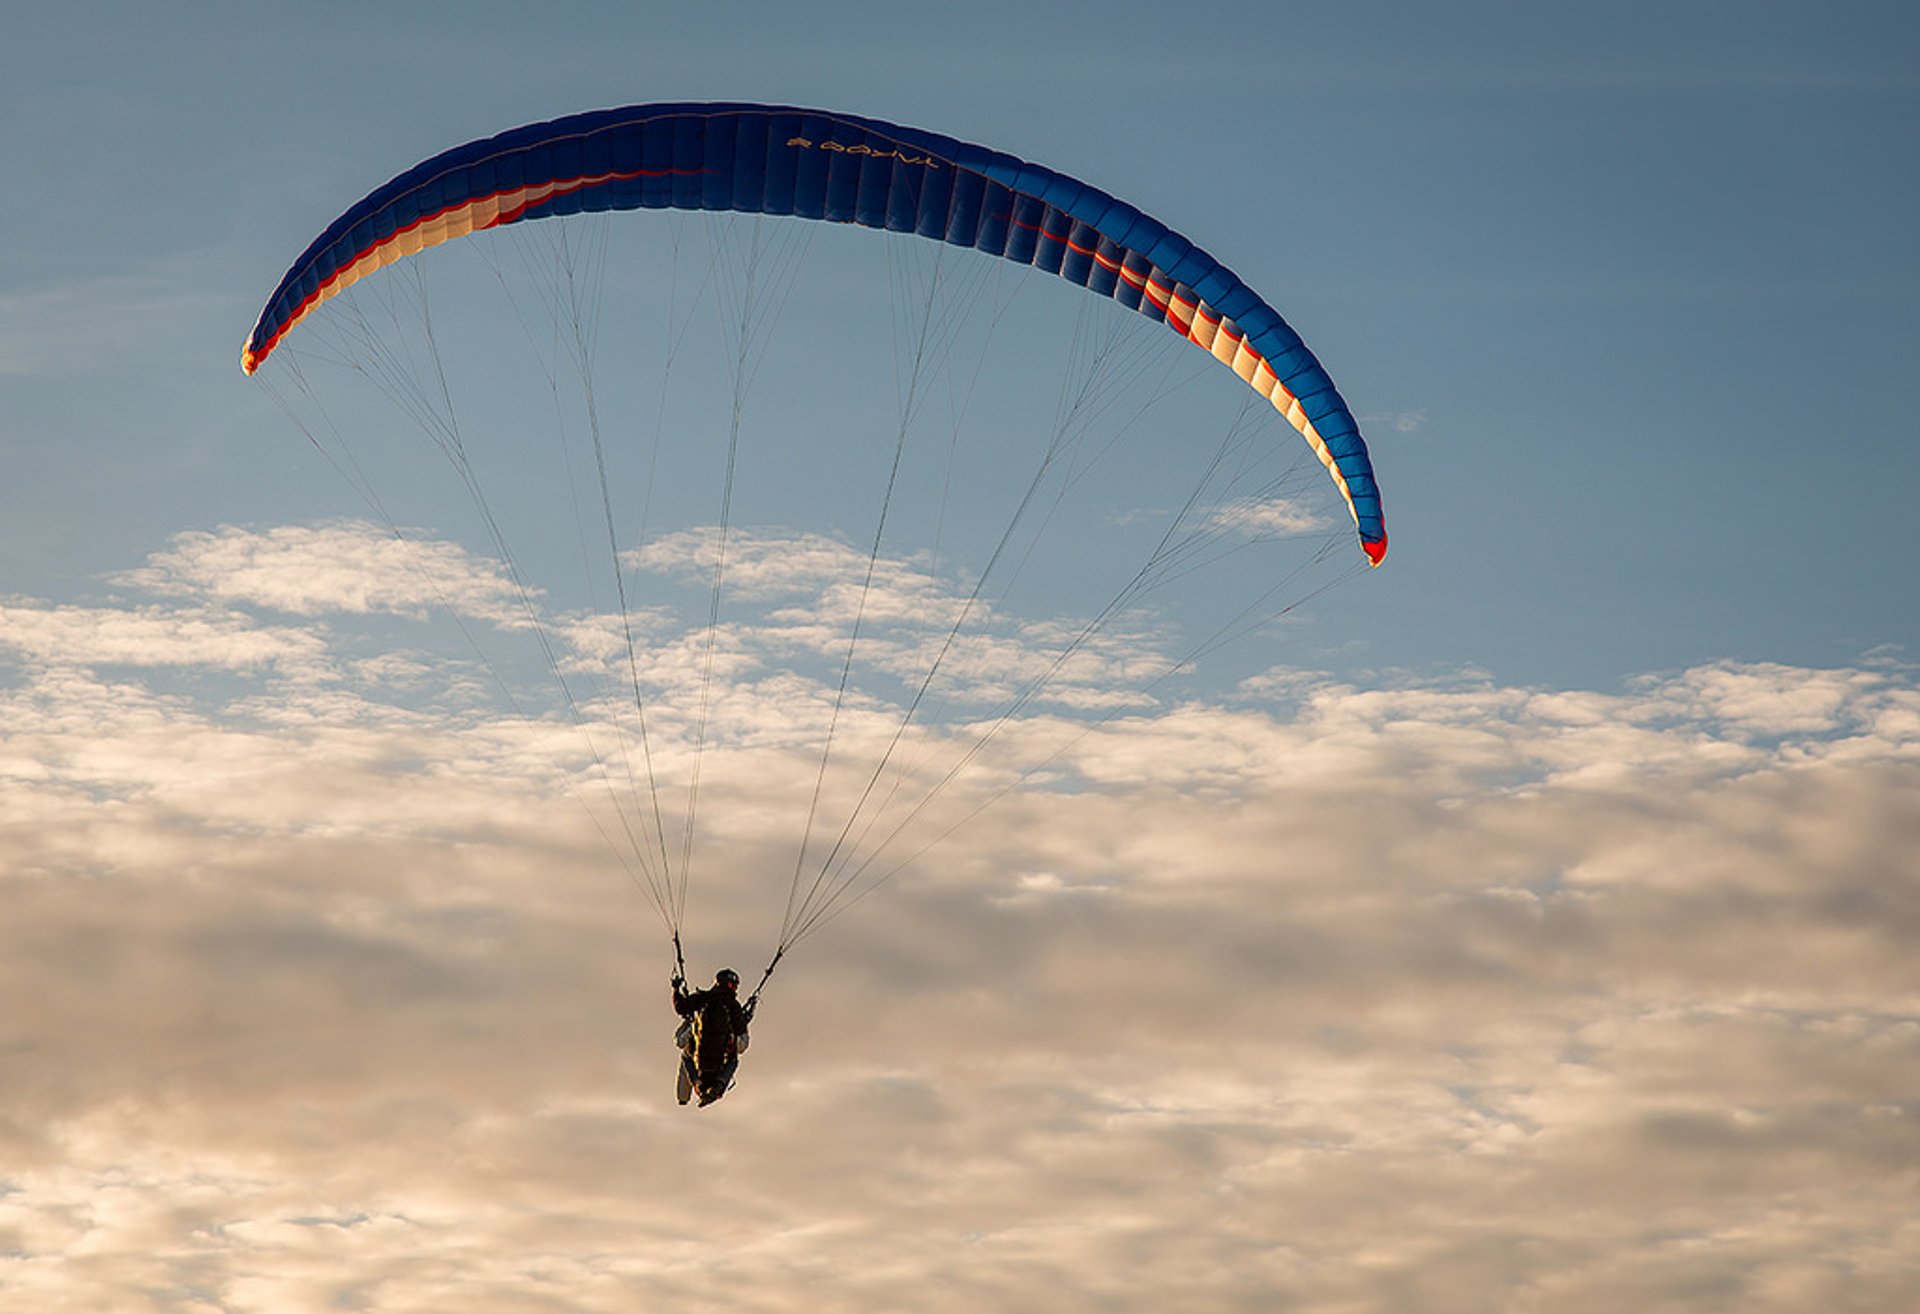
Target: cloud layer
323	991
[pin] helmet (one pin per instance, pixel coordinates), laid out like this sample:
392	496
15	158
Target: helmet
726	976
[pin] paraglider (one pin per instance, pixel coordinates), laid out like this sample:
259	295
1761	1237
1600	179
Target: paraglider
712	1037
933	640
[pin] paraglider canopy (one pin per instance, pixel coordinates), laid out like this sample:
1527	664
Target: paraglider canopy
812	164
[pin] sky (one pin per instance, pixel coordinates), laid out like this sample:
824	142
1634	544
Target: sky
1525	924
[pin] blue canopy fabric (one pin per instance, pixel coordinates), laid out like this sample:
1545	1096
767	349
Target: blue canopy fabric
811	164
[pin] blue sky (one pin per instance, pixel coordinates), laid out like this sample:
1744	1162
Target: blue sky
1560	872
1636	277
1635	280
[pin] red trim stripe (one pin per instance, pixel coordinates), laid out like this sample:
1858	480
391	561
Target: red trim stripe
251	359
1066	241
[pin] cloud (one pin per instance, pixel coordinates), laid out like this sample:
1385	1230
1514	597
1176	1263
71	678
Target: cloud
1443	995
152	636
351	566
814	590
1410	421
1279	516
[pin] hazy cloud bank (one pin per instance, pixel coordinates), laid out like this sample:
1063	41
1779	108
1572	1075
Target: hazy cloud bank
324	991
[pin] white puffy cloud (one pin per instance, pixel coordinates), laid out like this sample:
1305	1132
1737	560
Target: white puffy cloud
1442	996
152	636
350	567
813	590
1275	515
